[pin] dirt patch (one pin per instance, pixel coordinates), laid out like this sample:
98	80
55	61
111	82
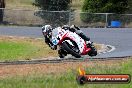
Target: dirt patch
50	68
18	39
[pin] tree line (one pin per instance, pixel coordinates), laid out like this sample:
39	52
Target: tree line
2	5
90	6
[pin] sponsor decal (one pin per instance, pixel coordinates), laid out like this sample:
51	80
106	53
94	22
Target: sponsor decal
84	78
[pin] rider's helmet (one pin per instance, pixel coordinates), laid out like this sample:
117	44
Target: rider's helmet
65	27
47	30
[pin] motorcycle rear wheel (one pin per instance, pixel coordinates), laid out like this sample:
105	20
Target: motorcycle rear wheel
92	52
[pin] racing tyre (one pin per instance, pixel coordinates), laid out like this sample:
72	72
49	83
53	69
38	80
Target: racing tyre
93	52
62	53
66	46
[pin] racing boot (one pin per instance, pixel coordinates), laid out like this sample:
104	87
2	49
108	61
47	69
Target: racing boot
89	43
93	51
87	39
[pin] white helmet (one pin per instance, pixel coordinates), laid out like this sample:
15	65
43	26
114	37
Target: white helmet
46	30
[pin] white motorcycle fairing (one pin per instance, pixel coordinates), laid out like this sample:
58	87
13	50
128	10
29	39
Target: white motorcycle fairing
60	34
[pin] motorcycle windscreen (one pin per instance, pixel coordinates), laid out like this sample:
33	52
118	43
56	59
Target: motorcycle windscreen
54	35
55	32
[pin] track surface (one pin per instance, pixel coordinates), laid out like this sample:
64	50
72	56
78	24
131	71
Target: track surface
118	37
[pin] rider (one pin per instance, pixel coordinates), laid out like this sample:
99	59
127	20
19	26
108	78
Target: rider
47	32
77	30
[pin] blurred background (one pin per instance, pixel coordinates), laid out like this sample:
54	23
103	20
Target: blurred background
84	13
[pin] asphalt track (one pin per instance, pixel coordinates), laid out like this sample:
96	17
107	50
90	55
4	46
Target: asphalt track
120	38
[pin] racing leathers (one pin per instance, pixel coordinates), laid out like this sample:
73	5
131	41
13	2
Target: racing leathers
48	41
73	28
77	30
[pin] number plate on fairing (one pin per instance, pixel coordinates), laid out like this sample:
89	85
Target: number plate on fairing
55	41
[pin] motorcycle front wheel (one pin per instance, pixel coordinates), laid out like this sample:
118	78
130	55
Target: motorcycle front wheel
66	46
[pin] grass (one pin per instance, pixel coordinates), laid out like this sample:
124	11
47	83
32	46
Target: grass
19	48
20	4
68	78
12	50
29	2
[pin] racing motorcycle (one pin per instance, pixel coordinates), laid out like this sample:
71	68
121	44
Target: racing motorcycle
71	43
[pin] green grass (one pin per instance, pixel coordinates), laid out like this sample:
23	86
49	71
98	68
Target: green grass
68	80
23	49
14	50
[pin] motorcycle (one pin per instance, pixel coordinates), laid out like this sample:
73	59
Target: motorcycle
71	43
